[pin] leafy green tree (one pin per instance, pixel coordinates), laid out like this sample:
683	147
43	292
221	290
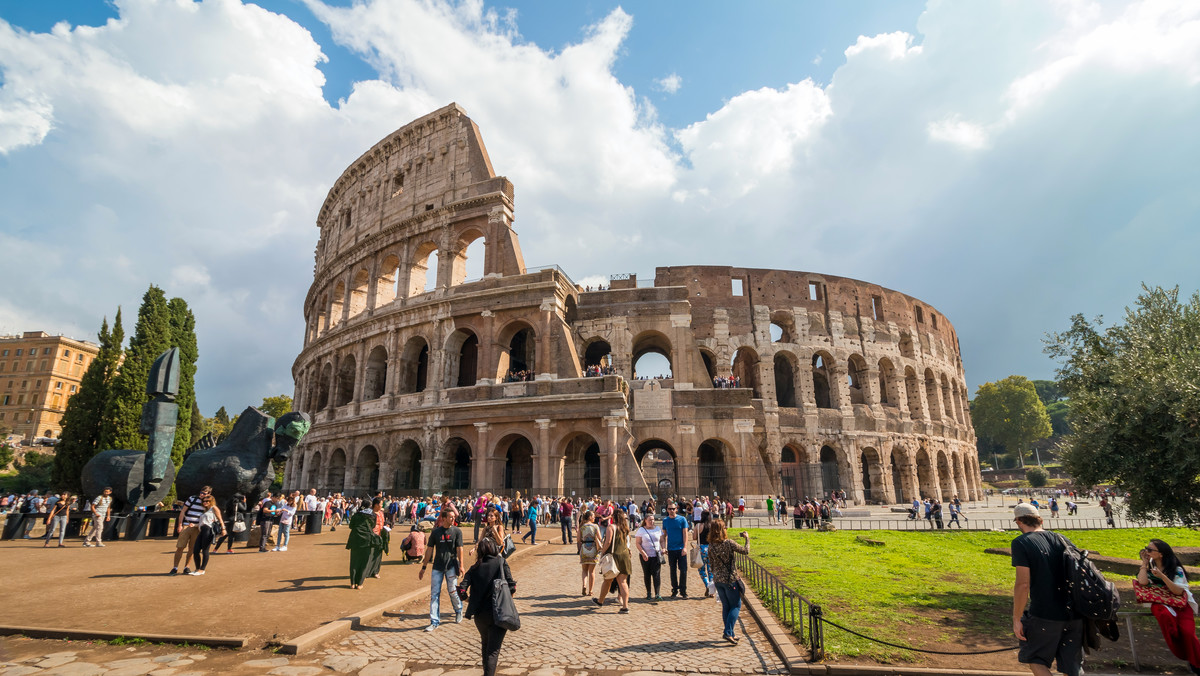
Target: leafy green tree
84	417
1135	404
1037	476
276	406
1010	413
183	336
198	423
7	452
151	337
33	471
1059	412
221	423
1048	391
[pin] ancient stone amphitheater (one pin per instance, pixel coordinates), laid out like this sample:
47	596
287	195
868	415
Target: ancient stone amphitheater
421	380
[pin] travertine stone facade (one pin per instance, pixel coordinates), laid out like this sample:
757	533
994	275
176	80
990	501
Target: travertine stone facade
841	384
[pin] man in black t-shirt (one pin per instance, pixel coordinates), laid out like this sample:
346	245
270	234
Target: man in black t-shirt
1046	629
445	550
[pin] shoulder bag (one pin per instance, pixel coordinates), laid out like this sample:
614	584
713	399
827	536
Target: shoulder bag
509	547
504	611
608	564
1156	594
695	559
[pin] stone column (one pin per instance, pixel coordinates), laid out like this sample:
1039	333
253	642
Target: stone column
480	459
609	475
541	476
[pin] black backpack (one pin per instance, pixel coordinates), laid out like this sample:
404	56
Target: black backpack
1091	596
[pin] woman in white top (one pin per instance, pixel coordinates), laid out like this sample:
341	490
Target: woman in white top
210	521
650	547
286	512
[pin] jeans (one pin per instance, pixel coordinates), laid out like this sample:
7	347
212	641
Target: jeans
285	535
59	522
731	605
266	534
677	562
705	570
568	530
651	569
532	534
491	637
435	594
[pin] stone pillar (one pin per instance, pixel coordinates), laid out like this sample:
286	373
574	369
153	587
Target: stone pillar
541	471
481	459
333	384
610	478
914	479
392	383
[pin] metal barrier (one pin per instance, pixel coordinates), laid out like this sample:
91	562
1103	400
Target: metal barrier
792	609
971	524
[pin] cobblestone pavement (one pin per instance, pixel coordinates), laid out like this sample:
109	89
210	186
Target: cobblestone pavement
561	628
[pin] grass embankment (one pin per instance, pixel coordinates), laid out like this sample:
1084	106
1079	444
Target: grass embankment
924	589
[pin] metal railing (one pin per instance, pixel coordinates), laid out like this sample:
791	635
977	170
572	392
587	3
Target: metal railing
796	612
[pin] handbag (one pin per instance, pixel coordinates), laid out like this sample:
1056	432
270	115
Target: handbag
1156	594
608	566
239	524
509	547
504	611
695	559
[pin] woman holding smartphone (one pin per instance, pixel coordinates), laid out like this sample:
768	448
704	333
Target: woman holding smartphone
1162	569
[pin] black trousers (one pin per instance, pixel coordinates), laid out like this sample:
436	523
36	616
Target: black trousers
651	572
490	639
677	561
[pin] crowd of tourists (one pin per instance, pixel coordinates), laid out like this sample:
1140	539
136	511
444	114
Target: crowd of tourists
727	382
521	376
597	370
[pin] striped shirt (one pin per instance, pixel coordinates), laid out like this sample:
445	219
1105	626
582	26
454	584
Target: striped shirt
192	509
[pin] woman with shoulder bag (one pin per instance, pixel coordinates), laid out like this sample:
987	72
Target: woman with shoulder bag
617	544
210	523
476	588
236	524
700	535
589	549
1162	582
730	587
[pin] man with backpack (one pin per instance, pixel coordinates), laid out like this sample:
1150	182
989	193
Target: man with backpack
1047	629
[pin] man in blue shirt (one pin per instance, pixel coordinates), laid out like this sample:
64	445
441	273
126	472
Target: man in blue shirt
676	528
531	514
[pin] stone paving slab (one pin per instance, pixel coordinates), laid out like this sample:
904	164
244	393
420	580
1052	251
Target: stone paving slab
560	628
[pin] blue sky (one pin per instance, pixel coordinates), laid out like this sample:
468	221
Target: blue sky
1011	163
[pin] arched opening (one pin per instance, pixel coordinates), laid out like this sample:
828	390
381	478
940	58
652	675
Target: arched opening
519	361
366	474
783	327
830	475
323	386
887	382
408	466
422	275
462	359
652	356
906	345
856	379
458	452
358	292
581	472
322	315
712	478
912	391
871	466
744	368
570	311
387	284
821	380
518	465
948	397
335	305
376	376
335	474
899	476
961	484
945	476
925	483
710	365
312	471
795	481
469	261
345	381
597	358
656	459
931	395
785	381
414	365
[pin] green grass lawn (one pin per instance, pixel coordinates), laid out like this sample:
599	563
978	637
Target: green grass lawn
920	588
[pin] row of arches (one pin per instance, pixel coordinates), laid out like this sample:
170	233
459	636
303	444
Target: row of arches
872	476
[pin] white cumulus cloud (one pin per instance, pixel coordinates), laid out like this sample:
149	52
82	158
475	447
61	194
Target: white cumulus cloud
669	84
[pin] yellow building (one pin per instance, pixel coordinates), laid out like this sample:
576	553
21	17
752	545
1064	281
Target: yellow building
38	374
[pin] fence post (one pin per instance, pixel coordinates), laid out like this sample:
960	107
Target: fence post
816	633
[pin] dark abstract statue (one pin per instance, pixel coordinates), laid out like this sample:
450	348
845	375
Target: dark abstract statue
143	479
241	463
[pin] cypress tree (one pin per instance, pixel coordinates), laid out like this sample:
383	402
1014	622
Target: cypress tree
183	336
197	429
84	416
221	424
151	337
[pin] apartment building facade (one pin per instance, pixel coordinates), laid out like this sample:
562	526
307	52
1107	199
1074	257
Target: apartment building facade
39	372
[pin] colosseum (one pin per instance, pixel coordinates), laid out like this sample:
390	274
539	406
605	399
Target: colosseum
773	381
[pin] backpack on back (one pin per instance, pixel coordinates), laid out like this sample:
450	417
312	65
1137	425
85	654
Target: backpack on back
1090	595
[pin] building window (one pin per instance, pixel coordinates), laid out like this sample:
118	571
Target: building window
37	384
67	353
1	366
6	399
79	357
44	366
1	415
28	366
20	399
24	384
5	353
19	352
58	385
72	389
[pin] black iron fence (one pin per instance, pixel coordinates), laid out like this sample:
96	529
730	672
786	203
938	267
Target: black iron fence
796	612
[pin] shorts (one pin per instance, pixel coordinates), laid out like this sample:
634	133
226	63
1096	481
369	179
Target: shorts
1052	640
187	537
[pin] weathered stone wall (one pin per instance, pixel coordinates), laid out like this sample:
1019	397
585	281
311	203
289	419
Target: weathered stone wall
842	384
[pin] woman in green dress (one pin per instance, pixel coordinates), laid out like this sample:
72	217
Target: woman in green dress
616	542
362	543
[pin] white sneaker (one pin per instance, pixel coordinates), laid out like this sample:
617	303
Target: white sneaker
283	549
431	627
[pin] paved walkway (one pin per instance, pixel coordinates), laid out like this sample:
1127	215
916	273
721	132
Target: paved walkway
560	628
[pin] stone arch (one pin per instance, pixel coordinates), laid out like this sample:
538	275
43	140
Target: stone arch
424	257
652	342
822	371
359	286
710	363
335	303
388	282
597	352
874	487
796	481
783	327
856	379
744	367
516	451
375	378
902	491
945	476
347	373
472	245
570	313
785	379
414	365
831	475
931	395
458	461
948	397
323	314
335	472
312	470
660	467
965	491
926	474
581	464
366	470
323	386
462	359
712	476
889	390
406	466
517	344
912	392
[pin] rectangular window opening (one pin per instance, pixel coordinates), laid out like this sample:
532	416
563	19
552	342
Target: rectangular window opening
814	291
737	287
877	308
933	317
920	315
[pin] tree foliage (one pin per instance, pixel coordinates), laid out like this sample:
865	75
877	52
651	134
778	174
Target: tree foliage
84	416
1010	413
7	452
151	337
1048	391
183	336
276	406
1037	476
33	471
1135	403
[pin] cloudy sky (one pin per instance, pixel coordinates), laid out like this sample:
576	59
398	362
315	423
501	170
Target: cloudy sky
1011	163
